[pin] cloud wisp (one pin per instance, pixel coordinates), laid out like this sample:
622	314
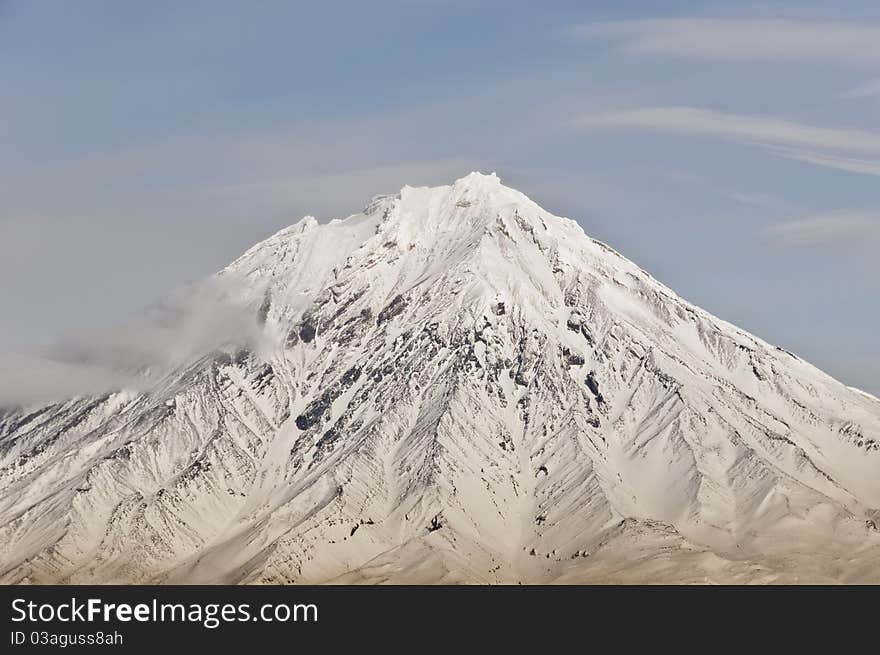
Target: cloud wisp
193	322
819	229
783	138
746	40
741	127
848	164
870	89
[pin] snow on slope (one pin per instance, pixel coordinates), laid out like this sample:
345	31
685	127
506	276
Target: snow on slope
461	387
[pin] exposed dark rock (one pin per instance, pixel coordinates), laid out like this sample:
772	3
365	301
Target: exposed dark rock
263	377
308	329
593	386
350	376
196	469
241	356
572	358
263	312
315	410
585	331
327	438
392	309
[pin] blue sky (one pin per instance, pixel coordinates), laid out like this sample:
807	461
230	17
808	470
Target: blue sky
731	149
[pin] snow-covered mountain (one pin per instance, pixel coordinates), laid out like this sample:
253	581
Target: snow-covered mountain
454	386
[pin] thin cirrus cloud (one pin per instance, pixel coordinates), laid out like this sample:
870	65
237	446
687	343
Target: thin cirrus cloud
845	225
870	89
697	121
739	39
781	137
849	164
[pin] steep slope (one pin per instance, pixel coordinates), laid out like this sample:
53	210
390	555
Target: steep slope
456	386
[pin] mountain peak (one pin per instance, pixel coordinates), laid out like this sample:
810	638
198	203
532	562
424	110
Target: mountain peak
475	178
